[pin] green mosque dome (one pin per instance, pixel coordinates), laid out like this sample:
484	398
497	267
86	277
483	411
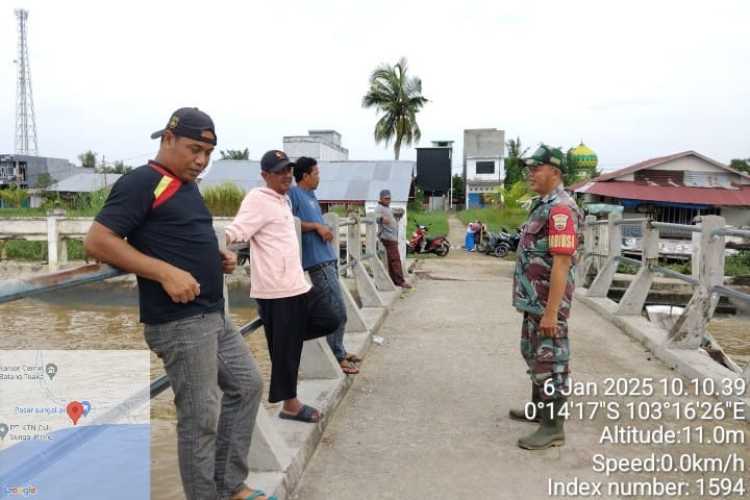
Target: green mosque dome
583	156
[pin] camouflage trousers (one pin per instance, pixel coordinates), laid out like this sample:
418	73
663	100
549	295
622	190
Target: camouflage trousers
547	357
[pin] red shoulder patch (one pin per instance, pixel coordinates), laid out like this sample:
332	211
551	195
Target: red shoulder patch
166	188
561	230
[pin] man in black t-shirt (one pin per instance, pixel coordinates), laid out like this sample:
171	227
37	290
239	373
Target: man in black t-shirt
156	225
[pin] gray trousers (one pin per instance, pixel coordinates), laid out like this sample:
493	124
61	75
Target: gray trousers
204	355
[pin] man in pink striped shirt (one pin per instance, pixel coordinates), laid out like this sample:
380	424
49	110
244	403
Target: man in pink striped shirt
290	309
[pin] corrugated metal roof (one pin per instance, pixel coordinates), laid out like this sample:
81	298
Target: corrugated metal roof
662	160
84	183
673	194
352	181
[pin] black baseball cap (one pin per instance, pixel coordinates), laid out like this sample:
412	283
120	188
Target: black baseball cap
190	123
275	161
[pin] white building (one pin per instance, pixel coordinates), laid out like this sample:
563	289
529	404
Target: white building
322	145
484	168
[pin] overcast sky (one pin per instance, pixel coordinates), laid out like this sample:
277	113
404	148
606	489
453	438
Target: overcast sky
634	79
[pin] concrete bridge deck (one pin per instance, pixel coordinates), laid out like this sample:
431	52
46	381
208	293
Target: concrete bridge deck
427	417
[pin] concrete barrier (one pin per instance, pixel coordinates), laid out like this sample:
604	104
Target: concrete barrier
684	347
280	448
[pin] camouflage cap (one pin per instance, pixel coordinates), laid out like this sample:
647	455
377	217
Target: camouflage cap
547	155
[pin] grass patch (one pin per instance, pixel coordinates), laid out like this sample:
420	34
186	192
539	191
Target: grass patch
738	265
495	218
438	222
7	213
26	250
36	251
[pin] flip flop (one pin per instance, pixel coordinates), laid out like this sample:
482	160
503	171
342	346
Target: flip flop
306	414
259	493
348	368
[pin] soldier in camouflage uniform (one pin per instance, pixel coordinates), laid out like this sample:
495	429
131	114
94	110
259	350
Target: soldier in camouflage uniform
543	291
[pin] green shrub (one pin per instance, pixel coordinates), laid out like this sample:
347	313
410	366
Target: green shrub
738	265
76	250
627	268
26	250
223	200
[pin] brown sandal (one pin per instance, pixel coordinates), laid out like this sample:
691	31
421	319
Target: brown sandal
348	368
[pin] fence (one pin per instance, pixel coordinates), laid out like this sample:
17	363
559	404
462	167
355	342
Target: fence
278	452
708	258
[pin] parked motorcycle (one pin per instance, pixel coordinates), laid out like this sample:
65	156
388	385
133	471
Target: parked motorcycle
439	245
499	243
506	242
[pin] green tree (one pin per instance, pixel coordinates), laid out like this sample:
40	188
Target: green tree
13	196
399	98
117	167
120	168
459	189
88	159
741	165
43	181
513	170
516	193
235	154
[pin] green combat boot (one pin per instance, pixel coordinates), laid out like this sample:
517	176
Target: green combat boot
520	415
550	432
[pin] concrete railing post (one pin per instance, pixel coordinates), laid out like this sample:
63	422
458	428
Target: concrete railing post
635	296
588	249
354	239
603	280
371	234
53	241
268	450
368	291
695	258
332	221
689	330
64	250
318	361
355	321
3	250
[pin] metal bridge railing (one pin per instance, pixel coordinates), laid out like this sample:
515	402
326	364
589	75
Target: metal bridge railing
708	258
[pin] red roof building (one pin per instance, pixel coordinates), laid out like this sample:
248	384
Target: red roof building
674	188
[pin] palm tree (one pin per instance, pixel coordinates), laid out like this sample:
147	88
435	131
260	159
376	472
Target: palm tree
399	98
14	196
235	154
513	171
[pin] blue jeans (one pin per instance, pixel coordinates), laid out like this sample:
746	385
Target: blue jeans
204	355
326	278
